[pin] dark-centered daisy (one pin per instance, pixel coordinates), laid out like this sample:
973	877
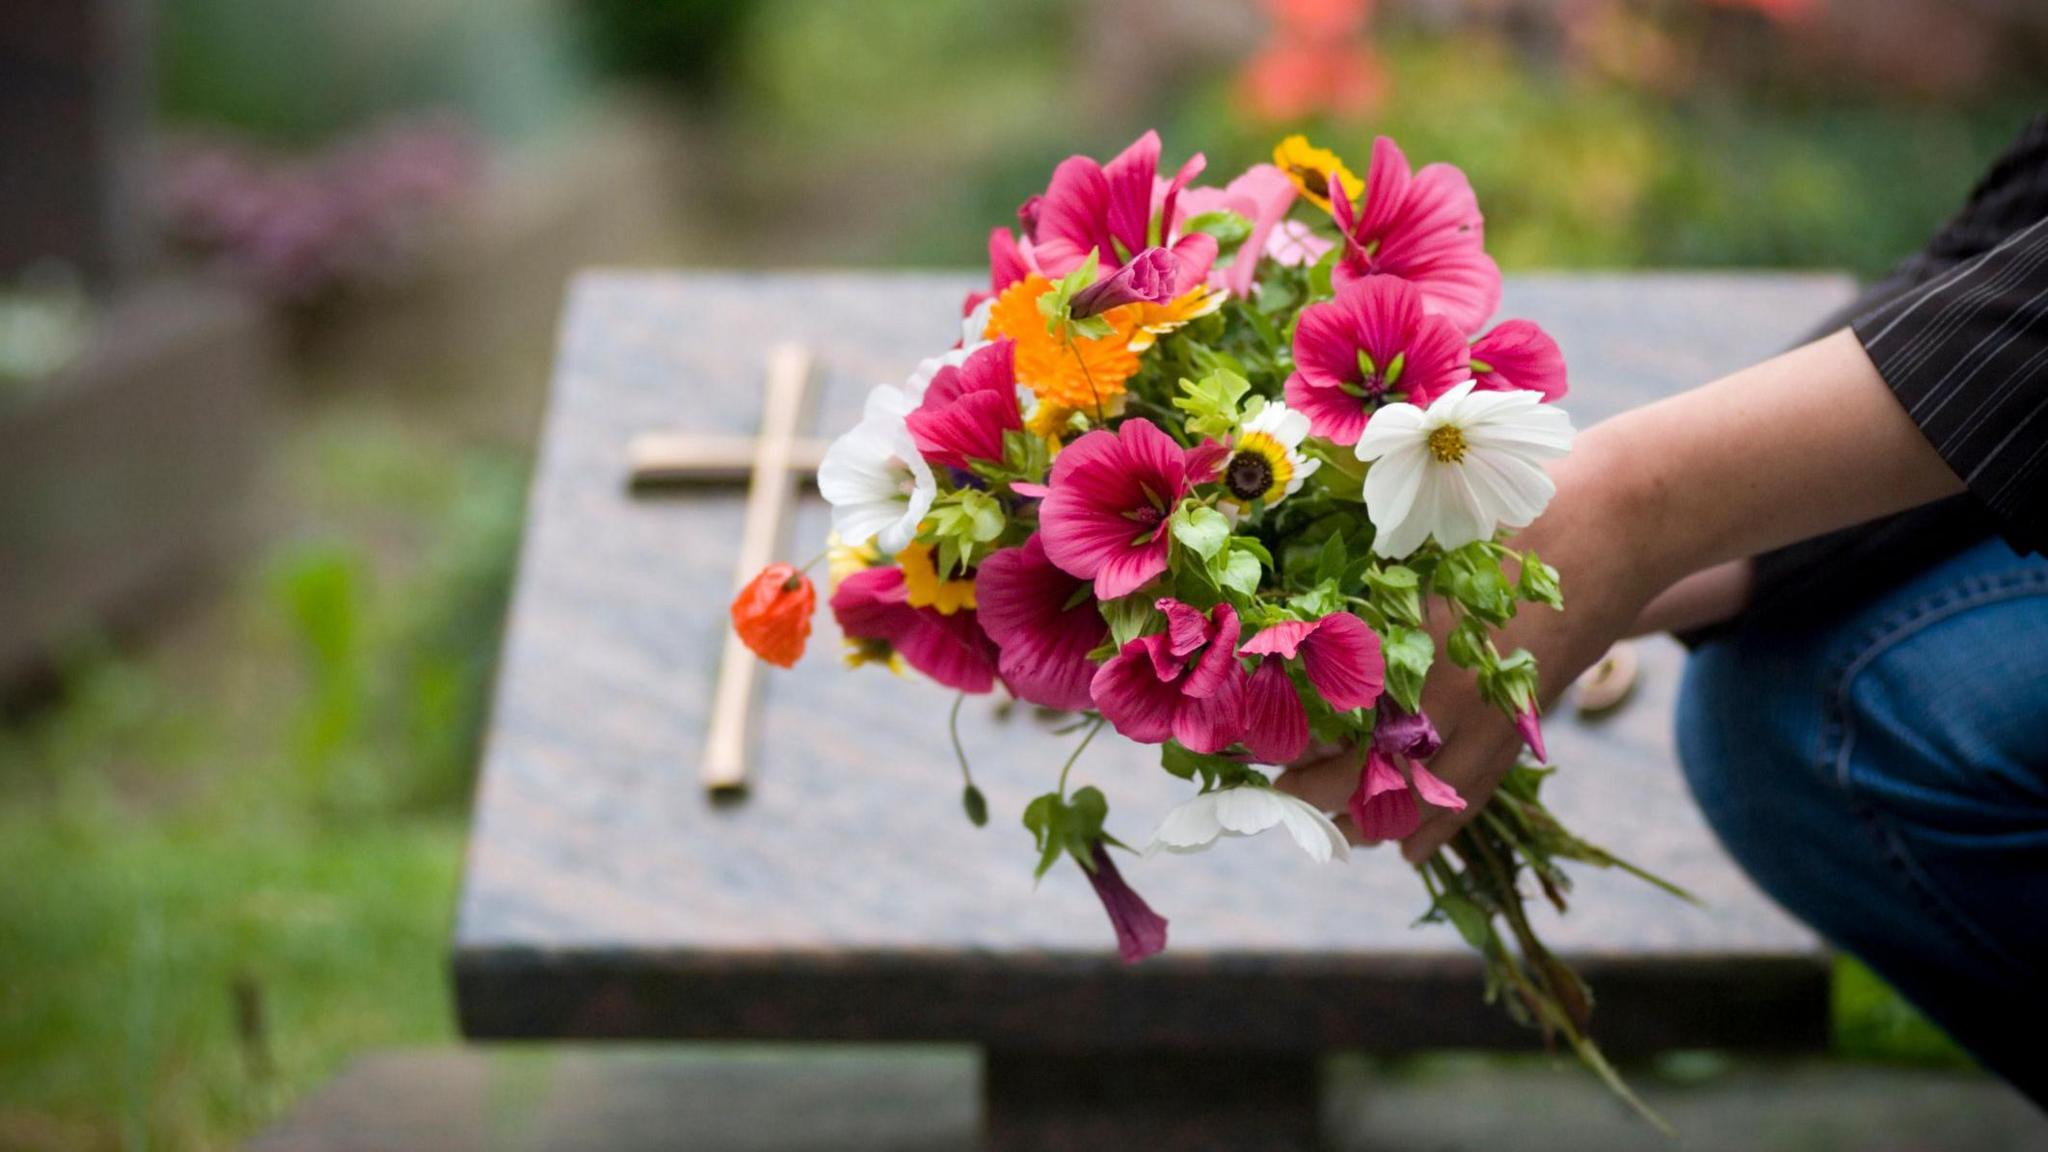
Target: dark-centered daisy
1266	464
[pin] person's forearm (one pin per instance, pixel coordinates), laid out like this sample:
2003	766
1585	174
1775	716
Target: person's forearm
1794	447
1701	600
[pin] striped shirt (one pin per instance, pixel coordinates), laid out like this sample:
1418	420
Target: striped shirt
1967	354
1959	331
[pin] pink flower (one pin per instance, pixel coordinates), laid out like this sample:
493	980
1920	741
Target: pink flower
1044	623
1147	278
1262	195
1339	652
1140	932
1342	659
1425	228
966	409
1105	518
1295	244
1519	355
1007	261
1372	344
873	605
1384	804
1184	683
1529	725
1109	209
1276	725
1381	806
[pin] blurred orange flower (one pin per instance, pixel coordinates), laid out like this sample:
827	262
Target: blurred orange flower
772	614
1317	61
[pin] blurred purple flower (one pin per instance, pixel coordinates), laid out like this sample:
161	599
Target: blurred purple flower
298	230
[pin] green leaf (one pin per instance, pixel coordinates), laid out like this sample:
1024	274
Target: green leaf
1214	771
1319	276
1086	812
965	524
1128	617
1471	575
1253	545
1318	601
1213	360
1057	305
1089	808
1226	226
1468	918
1241	572
1509	684
1469	645
1212	402
1091	327
1538	583
1200	529
1179	761
1409	653
1024	458
1397	591
1045	817
1330	564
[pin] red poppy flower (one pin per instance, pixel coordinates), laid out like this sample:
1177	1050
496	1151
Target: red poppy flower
772	614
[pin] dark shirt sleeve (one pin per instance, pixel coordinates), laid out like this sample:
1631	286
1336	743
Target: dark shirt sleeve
1966	353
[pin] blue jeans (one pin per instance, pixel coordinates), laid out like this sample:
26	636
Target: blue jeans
1883	774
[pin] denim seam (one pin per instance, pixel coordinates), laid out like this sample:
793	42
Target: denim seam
1839	729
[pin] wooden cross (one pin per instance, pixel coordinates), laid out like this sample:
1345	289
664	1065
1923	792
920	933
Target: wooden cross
772	464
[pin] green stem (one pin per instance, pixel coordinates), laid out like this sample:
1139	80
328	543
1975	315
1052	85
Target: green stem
1076	755
959	749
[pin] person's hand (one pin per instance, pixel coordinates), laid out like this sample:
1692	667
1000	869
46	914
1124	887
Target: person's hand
1587	535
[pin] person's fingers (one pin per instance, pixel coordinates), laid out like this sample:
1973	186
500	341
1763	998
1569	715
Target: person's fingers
1437	827
1326	783
1351	832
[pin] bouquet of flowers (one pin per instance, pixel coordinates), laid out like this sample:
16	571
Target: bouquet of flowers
1227	470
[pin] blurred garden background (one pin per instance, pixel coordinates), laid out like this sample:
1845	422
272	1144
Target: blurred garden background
233	789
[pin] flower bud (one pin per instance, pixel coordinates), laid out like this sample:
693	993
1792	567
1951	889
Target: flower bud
1147	279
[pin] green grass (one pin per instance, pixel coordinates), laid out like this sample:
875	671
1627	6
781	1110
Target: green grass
1872	1022
129	943
229	862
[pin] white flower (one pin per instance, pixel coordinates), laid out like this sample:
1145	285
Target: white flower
1467	465
1265	459
878	484
973	338
1248	811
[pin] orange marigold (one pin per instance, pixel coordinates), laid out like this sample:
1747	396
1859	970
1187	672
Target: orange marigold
772	614
1085	375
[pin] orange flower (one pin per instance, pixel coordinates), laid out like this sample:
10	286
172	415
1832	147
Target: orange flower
1085	375
772	614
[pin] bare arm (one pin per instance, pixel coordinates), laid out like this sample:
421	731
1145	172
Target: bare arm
1705	598
1799	445
1654	501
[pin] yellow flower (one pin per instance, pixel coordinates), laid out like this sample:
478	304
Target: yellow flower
1156	320
1266	464
922	584
1047	420
843	559
1311	167
1084	375
874	651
